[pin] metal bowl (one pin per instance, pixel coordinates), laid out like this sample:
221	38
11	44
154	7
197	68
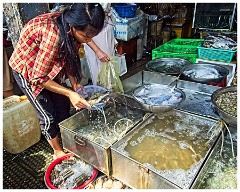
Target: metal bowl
211	81
228	118
90	90
168	66
158	108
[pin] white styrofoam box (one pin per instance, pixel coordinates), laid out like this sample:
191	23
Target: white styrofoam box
128	28
230	66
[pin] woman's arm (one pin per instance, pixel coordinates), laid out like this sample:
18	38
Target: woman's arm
103	57
76	99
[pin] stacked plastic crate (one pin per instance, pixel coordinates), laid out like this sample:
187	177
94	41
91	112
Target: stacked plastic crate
178	48
218	48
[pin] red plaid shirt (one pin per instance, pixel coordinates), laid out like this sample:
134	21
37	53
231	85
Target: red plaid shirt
36	55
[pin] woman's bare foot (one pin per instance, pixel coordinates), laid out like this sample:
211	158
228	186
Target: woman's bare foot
58	154
58	150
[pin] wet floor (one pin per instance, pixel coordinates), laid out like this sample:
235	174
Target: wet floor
26	170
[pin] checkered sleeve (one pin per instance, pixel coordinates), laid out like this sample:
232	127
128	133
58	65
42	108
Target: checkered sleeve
48	49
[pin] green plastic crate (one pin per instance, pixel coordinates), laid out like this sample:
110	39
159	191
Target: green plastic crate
183	41
178	48
215	54
190	57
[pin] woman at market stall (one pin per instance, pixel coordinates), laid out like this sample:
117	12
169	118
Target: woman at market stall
105	40
47	51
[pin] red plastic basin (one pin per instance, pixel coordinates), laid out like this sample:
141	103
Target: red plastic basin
59	160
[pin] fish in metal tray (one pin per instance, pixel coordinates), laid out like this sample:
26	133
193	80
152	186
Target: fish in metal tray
97	100
156	94
177	94
153	91
157	100
204	73
172	101
163	100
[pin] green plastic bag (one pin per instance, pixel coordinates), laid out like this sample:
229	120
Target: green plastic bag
108	77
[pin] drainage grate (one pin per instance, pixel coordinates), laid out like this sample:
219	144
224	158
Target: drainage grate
16	177
26	170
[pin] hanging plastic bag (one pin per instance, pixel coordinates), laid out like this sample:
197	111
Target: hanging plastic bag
121	63
108	76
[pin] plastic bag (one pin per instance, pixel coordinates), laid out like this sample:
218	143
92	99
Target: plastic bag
121	63
108	77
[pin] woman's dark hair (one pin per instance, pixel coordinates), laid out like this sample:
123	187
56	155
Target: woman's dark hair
82	16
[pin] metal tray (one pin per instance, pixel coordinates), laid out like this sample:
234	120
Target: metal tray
218	166
168	66
230	66
198	95
227	117
165	151
86	135
158	108
222	71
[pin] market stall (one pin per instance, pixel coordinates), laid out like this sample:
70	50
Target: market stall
174	149
174	125
169	125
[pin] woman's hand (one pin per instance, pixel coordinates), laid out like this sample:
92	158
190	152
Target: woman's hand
78	101
77	86
102	56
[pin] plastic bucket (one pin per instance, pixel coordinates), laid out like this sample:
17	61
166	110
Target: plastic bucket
126	10
48	181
